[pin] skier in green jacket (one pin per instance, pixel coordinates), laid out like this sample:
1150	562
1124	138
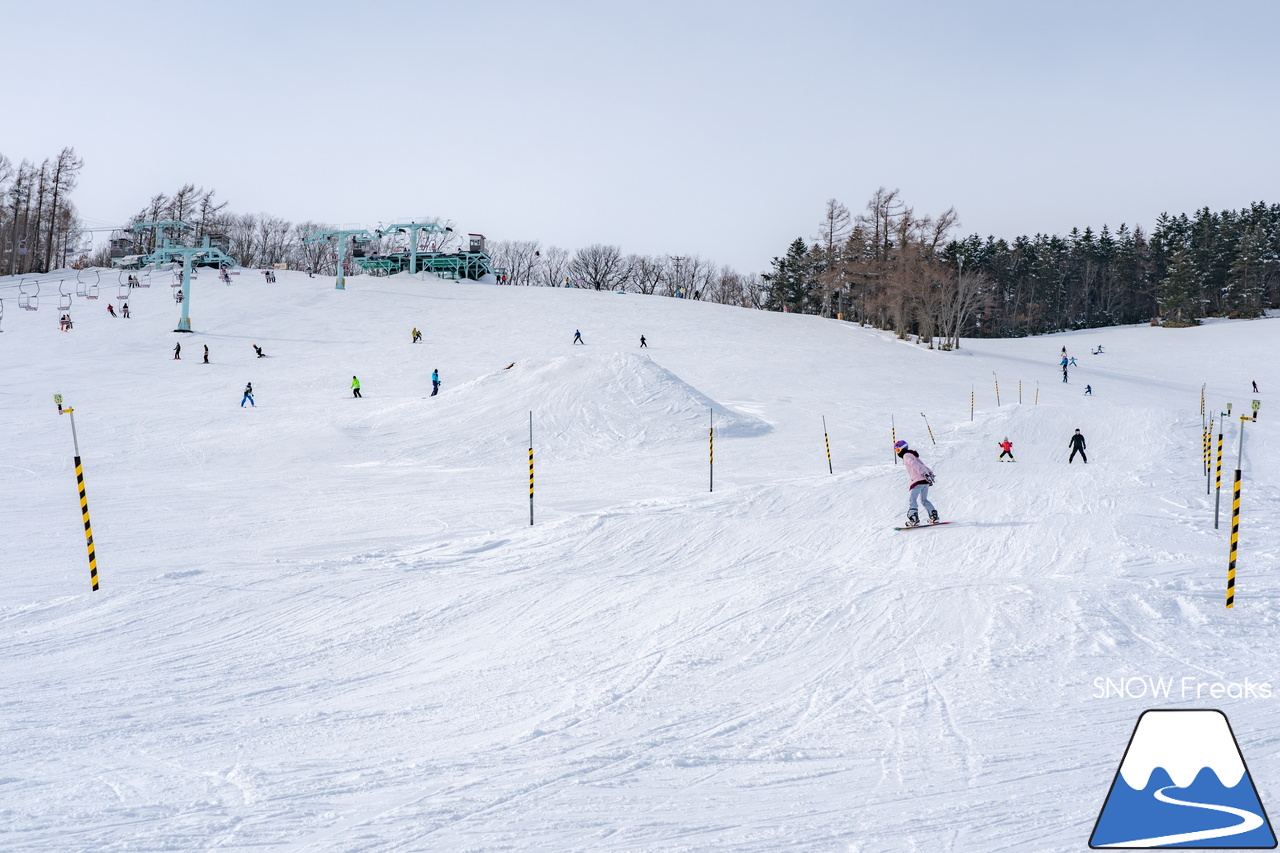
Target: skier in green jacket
355	387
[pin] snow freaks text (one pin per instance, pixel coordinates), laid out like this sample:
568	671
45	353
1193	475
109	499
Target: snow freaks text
1186	687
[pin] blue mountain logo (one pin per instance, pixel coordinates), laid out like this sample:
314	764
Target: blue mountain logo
1183	783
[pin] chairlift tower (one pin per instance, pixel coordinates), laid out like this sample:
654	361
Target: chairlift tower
171	251
360	235
412	229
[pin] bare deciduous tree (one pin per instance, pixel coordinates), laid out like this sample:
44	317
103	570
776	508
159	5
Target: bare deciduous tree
520	259
598	266
554	267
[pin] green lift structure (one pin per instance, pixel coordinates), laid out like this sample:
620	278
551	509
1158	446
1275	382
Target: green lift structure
340	237
412	230
169	251
473	263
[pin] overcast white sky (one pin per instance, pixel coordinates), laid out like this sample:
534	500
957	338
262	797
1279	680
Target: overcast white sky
715	128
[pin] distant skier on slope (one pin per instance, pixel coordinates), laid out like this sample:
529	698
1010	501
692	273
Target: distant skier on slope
1073	361
1255	388
111	309
435	382
920	478
643	344
417	336
1006	449
577	338
206	353
1064	374
1088	390
248	395
355	387
177	352
1077	446
259	351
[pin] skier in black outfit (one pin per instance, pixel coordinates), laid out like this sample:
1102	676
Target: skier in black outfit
643	343
577	338
1077	446
259	351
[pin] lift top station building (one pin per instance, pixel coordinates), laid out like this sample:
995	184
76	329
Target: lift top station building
473	262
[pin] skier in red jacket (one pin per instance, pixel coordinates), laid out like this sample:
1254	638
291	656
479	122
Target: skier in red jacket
1006	449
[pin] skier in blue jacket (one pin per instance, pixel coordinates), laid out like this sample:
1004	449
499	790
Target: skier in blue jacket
435	382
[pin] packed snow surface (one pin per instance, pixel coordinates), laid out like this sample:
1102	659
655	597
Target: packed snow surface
326	623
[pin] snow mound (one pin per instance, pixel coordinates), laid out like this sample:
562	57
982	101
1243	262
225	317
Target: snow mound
596	402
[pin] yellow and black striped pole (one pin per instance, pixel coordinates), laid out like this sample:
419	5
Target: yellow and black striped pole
1235	523
993	373
830	470
1217	489
1019	392
929	428
531	469
1204	433
1208	458
971	399
84	502
711	452
1037	393
1235	542
893	436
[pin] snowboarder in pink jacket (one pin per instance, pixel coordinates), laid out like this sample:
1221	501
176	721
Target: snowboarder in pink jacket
920	479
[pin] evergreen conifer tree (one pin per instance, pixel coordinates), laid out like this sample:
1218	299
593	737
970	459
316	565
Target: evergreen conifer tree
1180	290
791	284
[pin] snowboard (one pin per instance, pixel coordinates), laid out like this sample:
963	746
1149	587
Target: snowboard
925	526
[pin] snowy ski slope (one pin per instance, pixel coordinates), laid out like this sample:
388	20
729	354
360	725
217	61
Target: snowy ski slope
326	623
